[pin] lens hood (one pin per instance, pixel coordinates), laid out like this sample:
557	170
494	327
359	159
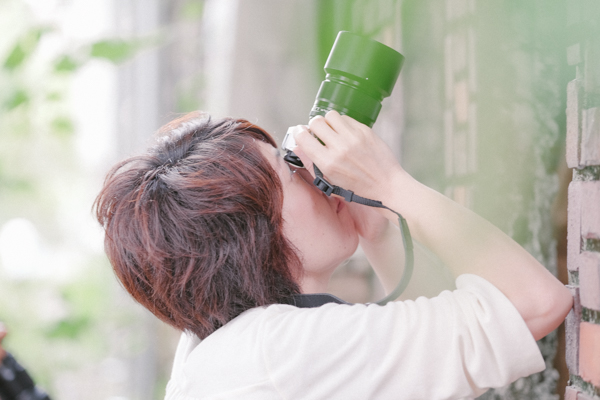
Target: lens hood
361	72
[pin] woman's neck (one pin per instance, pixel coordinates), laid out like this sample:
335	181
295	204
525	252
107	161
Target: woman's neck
313	283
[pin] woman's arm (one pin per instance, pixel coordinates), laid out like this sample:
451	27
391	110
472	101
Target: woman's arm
356	159
381	242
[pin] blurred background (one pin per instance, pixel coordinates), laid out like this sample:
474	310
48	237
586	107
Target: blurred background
478	114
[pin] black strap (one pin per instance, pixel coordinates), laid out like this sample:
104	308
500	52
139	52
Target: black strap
348	195
313	300
316	300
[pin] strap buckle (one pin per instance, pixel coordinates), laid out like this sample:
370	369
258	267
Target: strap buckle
328	189
323	185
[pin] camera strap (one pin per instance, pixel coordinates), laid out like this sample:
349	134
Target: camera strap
313	300
318	299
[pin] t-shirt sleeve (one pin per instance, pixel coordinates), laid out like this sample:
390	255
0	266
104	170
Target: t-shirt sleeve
453	346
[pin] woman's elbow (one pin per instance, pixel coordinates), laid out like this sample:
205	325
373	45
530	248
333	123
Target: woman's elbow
551	312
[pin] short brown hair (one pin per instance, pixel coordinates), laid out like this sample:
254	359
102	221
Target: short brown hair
194	226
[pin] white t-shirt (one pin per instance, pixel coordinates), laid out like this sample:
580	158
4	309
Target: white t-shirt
453	346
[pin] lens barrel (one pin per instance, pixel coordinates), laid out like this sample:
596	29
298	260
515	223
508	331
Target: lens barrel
361	72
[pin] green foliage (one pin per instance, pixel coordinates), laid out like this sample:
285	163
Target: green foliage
34	109
115	50
65	63
16	186
56	327
54	96
69	328
192	9
18	97
16	57
24	47
52	326
62	126
61	326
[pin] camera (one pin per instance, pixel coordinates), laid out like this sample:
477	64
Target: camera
360	73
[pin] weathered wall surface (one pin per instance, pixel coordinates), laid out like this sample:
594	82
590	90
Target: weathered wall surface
583	155
485	92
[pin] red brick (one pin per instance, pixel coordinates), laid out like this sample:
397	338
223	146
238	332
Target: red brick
572	333
574	225
590	210
573	124
589	280
583	396
571	393
576	300
589	352
590	137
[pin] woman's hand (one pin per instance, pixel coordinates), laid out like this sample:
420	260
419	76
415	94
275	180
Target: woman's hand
353	156
379	238
370	225
381	242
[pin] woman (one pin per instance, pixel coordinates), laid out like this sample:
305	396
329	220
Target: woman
212	232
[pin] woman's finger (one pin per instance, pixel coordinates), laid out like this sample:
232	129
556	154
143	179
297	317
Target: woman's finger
345	125
309	147
308	164
320	128
338	122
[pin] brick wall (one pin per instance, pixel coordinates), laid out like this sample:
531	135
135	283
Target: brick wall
583	156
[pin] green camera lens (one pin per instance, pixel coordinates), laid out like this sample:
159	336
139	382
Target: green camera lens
361	72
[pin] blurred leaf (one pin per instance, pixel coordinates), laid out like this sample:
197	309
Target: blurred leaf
66	64
192	9
69	328
63	126
24	47
54	96
16	99
21	186
9	184
115	50
16	57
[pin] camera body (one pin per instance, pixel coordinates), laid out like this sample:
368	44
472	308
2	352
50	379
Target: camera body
360	73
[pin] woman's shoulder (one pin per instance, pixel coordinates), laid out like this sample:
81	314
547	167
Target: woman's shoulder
450	336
